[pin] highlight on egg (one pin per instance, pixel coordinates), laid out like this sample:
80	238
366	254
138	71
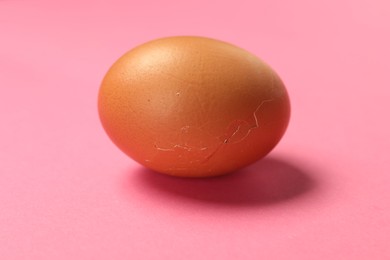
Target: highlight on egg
193	106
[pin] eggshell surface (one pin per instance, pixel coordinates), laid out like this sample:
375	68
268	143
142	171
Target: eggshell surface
193	106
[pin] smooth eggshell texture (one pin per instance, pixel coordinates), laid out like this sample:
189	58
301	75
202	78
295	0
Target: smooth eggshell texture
193	106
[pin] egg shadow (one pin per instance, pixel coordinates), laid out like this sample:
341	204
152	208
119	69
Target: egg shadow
267	182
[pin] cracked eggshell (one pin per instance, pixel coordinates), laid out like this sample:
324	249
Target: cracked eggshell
193	106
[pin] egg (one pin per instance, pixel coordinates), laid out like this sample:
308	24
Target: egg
193	106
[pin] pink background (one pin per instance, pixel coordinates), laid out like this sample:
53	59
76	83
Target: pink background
68	193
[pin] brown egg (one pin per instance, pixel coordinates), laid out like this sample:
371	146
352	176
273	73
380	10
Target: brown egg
193	106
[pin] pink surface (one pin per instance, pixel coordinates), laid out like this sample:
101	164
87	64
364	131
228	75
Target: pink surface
68	193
